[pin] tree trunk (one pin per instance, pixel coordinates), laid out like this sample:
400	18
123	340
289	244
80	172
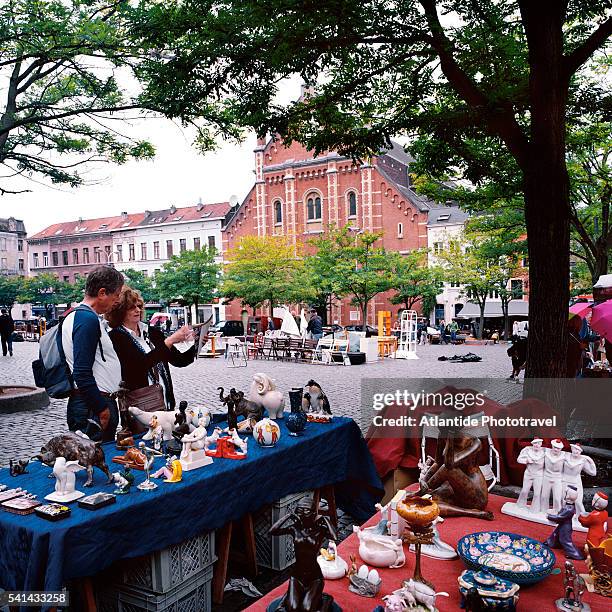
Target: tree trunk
504	306
364	315
481	320
601	261
197	312
546	187
271	307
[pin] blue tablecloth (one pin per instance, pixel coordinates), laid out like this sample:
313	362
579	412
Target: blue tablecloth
39	555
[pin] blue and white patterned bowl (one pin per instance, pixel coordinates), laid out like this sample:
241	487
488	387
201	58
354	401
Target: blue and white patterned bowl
510	556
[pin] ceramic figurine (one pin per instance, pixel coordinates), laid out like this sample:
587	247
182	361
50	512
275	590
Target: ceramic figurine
195	416
574	587
308	529
316	400
165	419
596	520
264	393
575	463
380	550
241	446
155	432
365	582
132	458
193	455
599	562
238	405
18	467
171	472
212	439
332	565
150	454
454	479
481	590
561	537
73	447
181	427
124	480
423	593
399	600
552	481
65	481
266	432
438	549
533	458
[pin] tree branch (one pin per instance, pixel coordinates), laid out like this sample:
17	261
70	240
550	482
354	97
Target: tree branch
582	53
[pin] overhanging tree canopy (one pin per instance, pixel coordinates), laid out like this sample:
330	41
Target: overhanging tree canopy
500	71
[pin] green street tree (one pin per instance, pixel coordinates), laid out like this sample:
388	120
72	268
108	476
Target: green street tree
45	289
10	288
414	281
264	269
482	265
360	270
137	280
73	293
190	278
62	63
481	74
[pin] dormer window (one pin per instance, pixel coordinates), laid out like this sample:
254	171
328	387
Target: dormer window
313	207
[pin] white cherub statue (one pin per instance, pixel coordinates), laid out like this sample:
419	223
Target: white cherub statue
193	455
65	481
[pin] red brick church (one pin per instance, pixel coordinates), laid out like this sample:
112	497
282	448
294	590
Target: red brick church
299	195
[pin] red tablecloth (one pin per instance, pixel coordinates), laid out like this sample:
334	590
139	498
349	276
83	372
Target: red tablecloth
443	574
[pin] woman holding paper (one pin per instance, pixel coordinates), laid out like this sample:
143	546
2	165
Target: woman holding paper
144	353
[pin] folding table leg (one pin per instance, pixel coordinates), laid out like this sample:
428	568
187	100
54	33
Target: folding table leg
249	542
220	573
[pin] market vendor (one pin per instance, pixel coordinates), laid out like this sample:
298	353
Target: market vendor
144	352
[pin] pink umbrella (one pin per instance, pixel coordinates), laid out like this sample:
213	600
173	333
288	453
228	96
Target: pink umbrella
601	319
580	308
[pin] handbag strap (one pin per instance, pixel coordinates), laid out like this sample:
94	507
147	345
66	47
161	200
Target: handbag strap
153	372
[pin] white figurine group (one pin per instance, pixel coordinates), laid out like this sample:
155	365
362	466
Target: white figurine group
548	472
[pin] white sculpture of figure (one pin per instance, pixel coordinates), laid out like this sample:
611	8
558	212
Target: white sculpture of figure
575	464
552	480
193	455
240	444
65	481
533	458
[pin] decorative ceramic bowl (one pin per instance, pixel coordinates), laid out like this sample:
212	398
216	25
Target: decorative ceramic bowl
498	594
510	556
266	432
418	510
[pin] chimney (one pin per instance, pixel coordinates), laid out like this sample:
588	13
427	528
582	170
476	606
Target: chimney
172	209
80	220
124	216
147	214
200	205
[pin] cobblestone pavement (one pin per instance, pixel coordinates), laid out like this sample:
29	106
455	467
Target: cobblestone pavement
23	433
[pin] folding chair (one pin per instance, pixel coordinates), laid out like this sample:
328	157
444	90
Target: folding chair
236	353
490	470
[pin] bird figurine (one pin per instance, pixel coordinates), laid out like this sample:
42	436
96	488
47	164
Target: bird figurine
65	475
316	397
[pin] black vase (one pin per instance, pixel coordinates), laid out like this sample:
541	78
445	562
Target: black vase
295	399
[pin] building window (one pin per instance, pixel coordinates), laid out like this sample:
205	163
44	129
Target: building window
525	262
400	230
86	255
182	245
21	265
131	251
438	247
516	288
143	250
107	253
146	273
493	294
54	259
455	284
97	255
169	249
156	250
196	244
2	244
20	245
3	263
45	259
352	204
66	279
211	242
75	256
119	252
64	258
313	207
278	212
35	259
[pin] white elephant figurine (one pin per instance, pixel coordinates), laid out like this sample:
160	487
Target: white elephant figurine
263	392
380	550
423	593
165	419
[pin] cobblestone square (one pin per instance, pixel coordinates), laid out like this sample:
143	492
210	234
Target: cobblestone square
23	433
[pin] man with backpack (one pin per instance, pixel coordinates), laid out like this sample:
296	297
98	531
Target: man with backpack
91	358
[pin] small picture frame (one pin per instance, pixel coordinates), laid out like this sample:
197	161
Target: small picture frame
53	512
97	501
